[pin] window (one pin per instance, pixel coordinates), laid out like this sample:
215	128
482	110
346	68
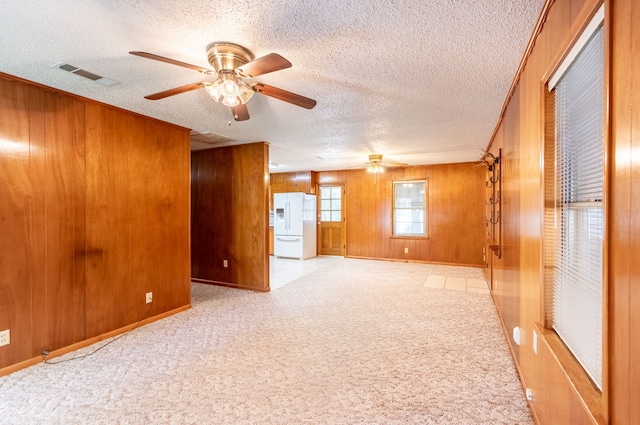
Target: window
409	208
331	203
574	219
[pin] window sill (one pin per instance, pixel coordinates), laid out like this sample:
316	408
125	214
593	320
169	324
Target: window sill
409	237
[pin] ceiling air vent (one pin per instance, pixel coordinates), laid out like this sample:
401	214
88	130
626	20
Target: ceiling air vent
86	74
209	138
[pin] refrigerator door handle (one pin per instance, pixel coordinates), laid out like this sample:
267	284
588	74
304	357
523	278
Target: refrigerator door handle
288	215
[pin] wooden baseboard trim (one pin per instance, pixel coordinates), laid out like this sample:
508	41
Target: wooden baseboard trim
400	260
64	350
229	285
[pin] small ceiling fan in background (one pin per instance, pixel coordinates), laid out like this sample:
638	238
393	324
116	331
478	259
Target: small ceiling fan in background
375	164
231	64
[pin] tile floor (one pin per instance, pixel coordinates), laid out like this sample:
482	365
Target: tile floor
456	284
285	270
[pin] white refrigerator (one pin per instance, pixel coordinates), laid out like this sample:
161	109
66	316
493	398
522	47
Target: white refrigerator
294	225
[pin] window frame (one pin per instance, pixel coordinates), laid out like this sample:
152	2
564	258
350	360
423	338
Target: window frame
425	216
331	198
573	370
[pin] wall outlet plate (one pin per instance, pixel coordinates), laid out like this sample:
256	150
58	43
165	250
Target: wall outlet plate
5	337
149	297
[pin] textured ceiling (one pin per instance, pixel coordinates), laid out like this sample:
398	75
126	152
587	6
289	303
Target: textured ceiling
420	81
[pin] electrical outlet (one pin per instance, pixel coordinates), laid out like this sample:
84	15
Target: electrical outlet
406	250
5	338
529	394
149	297
225	263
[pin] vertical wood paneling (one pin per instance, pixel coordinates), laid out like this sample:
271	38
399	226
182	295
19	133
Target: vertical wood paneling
38	218
138	183
624	299
15	228
455	213
555	398
506	281
164	172
65	219
634	299
230	198
94	212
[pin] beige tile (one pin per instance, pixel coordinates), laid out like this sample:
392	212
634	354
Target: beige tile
456	283
436	277
477	283
433	284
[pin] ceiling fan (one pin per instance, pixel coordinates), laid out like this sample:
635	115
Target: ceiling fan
375	164
231	64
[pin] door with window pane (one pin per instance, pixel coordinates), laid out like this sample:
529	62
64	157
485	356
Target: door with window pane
331	235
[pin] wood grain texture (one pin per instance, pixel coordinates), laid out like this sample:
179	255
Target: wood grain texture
296	181
230	200
547	373
455	213
94	209
65	200
624	297
38	217
15	226
137	218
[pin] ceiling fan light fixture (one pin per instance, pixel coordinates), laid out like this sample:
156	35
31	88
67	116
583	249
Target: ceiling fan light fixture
375	168
229	89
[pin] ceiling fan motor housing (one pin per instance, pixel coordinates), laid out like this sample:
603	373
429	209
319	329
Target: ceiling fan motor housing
223	55
375	157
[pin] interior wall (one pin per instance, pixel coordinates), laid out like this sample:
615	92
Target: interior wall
518	276
624	271
230	222
455	209
94	207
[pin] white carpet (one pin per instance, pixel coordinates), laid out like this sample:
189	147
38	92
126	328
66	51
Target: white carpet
355	342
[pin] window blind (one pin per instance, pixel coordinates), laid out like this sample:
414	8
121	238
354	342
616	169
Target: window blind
576	313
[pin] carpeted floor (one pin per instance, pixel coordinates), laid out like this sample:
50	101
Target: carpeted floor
353	342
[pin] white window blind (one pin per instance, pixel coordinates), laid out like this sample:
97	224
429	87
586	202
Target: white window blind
576	286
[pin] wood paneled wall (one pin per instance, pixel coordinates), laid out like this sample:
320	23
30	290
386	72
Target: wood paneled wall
295	181
230	201
624	267
94	213
518	276
455	213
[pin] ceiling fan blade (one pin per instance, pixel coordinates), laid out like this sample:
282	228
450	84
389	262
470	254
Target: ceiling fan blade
173	62
240	112
174	91
287	96
264	65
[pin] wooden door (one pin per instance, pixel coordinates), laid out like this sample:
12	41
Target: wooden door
331	232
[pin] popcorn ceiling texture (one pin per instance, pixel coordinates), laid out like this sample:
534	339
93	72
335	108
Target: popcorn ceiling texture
418	81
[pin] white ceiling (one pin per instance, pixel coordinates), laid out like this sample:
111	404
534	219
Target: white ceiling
419	81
